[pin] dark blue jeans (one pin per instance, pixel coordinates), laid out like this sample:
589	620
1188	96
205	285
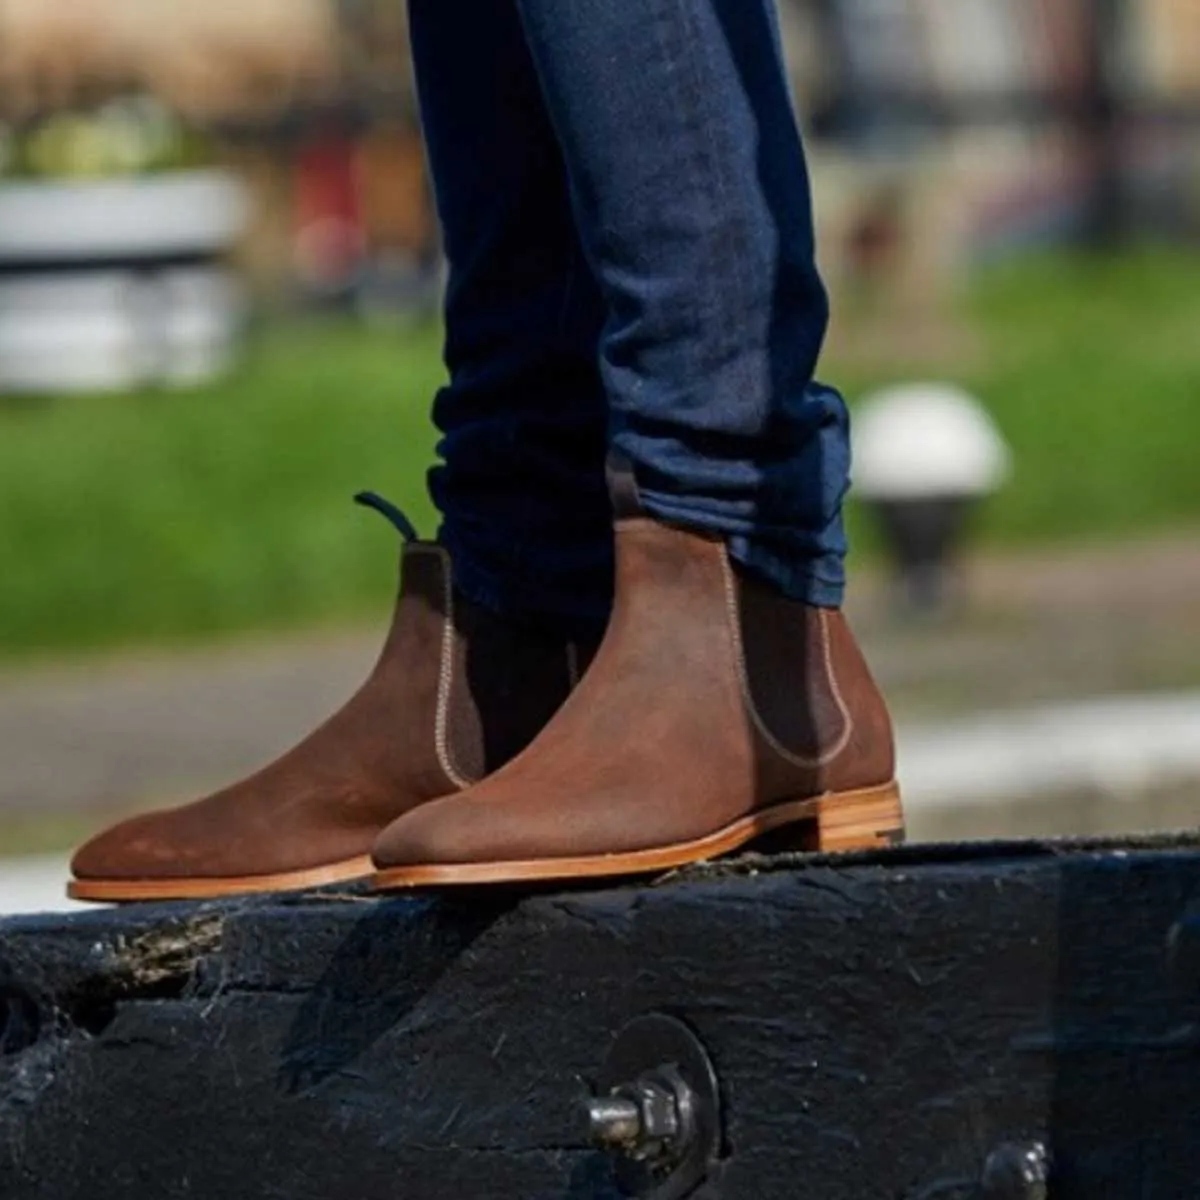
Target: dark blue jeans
626	213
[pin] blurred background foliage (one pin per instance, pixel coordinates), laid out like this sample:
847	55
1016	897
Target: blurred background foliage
219	288
1009	196
160	516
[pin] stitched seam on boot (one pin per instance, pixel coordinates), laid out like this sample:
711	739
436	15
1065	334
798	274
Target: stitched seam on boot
735	631
441	734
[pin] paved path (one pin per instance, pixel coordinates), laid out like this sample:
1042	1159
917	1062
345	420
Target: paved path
1119	744
108	735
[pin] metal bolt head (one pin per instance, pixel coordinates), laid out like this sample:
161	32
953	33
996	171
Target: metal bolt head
1017	1172
659	1081
661	1103
643	1119
614	1123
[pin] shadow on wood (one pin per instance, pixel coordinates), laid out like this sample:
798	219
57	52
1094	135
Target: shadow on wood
880	1026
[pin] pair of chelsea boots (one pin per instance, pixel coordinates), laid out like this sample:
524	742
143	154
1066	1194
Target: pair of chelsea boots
714	714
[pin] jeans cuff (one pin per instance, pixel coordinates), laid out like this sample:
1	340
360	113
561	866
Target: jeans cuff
550	610
817	578
810	582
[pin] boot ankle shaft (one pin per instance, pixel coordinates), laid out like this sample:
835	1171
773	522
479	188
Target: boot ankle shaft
502	684
819	718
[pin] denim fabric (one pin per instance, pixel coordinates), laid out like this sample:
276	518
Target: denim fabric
627	217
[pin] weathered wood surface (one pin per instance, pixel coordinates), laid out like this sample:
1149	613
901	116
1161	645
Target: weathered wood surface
879	1026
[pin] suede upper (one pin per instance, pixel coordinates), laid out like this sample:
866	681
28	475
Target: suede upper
456	692
711	698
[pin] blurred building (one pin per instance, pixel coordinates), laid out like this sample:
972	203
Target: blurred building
310	100
942	130
255	58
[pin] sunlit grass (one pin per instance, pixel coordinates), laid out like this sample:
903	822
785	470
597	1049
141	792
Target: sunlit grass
163	517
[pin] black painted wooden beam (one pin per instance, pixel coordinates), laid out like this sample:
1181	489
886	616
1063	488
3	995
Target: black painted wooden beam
881	1027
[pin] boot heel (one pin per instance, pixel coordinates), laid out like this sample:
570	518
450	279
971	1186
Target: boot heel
836	824
869	820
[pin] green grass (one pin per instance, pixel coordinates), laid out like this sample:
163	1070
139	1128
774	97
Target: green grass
1096	379
157	518
160	517
1092	371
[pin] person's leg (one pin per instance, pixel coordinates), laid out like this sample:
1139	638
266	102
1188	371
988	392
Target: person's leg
692	196
729	698
494	625
522	492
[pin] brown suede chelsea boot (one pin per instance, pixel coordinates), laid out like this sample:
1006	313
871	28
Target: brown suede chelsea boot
717	711
456	693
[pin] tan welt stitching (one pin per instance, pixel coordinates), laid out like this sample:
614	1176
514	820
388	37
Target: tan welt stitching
446	678
834	686
735	630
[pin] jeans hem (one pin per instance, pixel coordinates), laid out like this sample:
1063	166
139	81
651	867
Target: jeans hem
799	581
524	607
813	578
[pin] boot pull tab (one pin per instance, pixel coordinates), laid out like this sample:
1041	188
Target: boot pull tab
622	487
407	529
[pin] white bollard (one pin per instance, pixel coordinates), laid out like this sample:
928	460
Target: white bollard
925	455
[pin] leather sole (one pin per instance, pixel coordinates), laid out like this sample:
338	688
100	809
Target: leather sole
126	891
836	823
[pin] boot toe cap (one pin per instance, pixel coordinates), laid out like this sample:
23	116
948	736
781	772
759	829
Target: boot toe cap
453	831
141	847
420	837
